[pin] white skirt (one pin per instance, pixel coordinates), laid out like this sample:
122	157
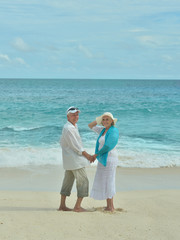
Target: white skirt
104	181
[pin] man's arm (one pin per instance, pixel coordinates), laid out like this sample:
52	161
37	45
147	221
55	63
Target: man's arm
76	146
88	156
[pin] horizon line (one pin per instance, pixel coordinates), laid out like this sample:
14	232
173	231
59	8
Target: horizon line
147	79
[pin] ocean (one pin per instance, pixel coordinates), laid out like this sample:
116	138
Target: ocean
33	112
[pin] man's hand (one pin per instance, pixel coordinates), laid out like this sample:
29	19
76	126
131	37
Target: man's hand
94	157
88	156
91	158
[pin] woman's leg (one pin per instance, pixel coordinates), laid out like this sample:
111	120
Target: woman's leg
110	205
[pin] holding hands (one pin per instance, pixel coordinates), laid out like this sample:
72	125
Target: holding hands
91	158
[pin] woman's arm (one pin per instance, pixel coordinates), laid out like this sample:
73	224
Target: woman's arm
92	124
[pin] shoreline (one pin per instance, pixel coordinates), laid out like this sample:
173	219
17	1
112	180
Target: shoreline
49	178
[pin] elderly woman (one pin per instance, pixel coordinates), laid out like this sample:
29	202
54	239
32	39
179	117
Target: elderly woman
106	154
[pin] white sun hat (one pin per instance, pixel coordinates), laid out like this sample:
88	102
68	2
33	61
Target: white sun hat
72	109
99	119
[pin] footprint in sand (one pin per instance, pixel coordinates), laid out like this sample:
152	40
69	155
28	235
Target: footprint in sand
117	210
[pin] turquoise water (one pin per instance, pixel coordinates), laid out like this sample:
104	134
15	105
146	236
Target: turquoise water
33	113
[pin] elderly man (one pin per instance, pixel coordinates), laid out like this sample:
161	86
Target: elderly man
75	159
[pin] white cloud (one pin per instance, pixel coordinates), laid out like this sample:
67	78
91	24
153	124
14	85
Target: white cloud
21	45
85	51
148	40
136	30
75	31
167	58
5	57
20	61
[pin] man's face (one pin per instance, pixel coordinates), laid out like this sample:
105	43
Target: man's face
73	117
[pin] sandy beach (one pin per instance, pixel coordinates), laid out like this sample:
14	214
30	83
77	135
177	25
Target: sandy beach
147	206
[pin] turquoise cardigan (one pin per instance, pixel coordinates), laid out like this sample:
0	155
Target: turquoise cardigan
111	140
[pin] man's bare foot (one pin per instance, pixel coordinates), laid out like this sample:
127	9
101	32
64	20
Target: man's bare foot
64	209
80	210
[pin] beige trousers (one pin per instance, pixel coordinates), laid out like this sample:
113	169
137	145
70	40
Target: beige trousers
82	183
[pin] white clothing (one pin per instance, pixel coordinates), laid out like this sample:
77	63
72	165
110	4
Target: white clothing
72	148
104	181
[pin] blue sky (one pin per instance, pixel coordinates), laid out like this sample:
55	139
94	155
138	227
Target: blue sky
119	39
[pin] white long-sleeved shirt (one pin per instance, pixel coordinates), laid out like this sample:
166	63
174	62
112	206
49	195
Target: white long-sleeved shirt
72	148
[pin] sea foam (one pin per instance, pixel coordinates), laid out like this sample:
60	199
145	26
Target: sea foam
37	156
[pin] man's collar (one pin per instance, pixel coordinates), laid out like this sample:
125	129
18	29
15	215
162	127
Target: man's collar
72	124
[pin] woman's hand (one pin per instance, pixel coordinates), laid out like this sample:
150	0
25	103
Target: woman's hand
92	124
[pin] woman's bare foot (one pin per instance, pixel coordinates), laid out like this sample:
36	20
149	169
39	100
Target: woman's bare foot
109	209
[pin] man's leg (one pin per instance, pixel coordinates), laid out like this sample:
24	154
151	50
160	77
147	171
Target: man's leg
77	207
62	206
82	185
66	190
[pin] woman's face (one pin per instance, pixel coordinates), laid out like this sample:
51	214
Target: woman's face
107	121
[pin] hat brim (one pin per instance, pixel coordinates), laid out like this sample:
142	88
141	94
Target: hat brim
99	119
74	111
